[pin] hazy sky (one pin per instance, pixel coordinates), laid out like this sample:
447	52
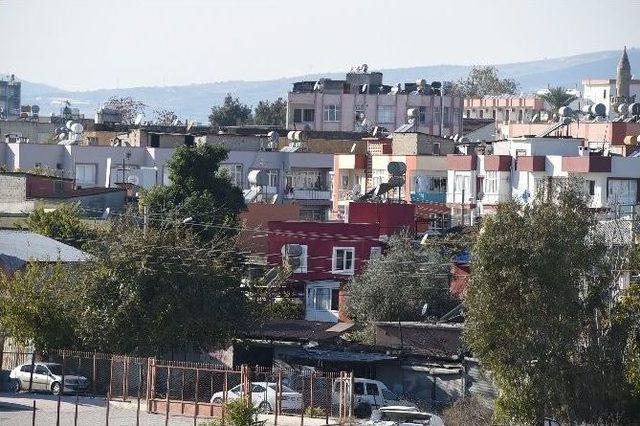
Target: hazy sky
88	44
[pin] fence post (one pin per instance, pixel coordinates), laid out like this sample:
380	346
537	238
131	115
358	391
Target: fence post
278	398
110	378
329	400
139	392
351	384
166	416
195	407
303	404
313	376
108	405
75	414
64	365
93	379
33	362
224	394
33	416
182	394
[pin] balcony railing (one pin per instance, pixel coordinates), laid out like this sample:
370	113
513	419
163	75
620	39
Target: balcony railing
308	194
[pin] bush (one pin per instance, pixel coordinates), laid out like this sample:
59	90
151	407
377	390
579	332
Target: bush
284	309
240	413
315	412
468	411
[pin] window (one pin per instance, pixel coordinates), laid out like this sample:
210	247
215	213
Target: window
303	115
389	396
461	182
307	179
436	148
491	183
385	114
233	172
343	260
344	182
313	215
86	174
520	115
422	183
468	113
155	140
332	113
26	368
372	389
482	113
376	253
437	115
358	388
257	388
323	298
273	177
41	369
622	191
58	187
447	117
493	114
591	187
309	115
604	94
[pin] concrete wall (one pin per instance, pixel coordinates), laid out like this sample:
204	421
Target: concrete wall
37	132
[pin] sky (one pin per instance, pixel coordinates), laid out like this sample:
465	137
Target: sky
92	44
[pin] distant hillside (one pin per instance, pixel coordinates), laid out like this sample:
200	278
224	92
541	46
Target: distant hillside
194	101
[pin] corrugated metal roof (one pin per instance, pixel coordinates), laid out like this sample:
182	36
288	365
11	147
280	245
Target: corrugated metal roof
24	246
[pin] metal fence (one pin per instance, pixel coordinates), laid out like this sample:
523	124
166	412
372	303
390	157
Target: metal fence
201	390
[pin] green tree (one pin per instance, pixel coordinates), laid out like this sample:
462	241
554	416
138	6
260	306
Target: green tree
230	113
271	113
198	193
535	309
128	107
160	291
37	306
557	97
397	285
484	81
64	224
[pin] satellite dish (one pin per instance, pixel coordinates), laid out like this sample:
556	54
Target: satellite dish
35	109
291	135
599	110
106	213
634	108
623	109
138	119
421	82
69	123
412	112
396	168
175	122
273	136
364	88
77	128
565	111
190	124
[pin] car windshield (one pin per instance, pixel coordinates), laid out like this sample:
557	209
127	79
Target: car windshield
284	388
57	370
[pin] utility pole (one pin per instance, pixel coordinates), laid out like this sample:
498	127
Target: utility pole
462	204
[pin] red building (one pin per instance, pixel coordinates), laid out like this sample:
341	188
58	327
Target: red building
330	253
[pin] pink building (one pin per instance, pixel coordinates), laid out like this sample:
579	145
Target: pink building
362	101
504	108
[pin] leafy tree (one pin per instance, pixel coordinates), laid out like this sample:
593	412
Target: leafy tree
64	224
271	113
535	309
128	107
230	113
164	117
159	291
626	330
36	305
558	97
397	285
197	192
484	81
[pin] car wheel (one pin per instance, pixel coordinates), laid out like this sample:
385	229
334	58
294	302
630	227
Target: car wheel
362	411
264	407
217	400
17	385
55	388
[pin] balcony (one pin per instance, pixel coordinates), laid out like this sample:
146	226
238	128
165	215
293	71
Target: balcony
586	164
533	163
498	163
461	162
308	194
431	197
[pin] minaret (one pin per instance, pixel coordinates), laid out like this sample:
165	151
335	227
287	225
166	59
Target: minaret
623	77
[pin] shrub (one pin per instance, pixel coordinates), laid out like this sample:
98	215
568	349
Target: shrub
315	412
240	413
468	411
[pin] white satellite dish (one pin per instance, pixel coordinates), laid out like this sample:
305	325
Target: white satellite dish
138	119
424	309
69	124
77	128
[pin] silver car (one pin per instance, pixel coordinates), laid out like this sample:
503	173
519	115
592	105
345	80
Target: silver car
47	377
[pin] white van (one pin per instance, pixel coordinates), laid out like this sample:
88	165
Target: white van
369	395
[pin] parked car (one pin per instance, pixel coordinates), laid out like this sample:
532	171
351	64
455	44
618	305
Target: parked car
263	396
369	395
397	415
47	377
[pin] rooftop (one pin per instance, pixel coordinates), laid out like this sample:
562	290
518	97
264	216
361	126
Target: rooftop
20	247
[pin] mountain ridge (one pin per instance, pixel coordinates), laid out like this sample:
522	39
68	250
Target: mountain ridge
195	100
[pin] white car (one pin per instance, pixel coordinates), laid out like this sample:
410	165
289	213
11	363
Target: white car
263	396
369	395
393	416
47	377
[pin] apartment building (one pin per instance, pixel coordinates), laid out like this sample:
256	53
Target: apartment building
325	255
425	177
362	101
518	167
505	108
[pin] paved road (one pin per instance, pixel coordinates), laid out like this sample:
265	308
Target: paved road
16	409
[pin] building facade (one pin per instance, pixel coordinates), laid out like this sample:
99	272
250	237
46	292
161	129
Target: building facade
361	101
505	108
10	92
